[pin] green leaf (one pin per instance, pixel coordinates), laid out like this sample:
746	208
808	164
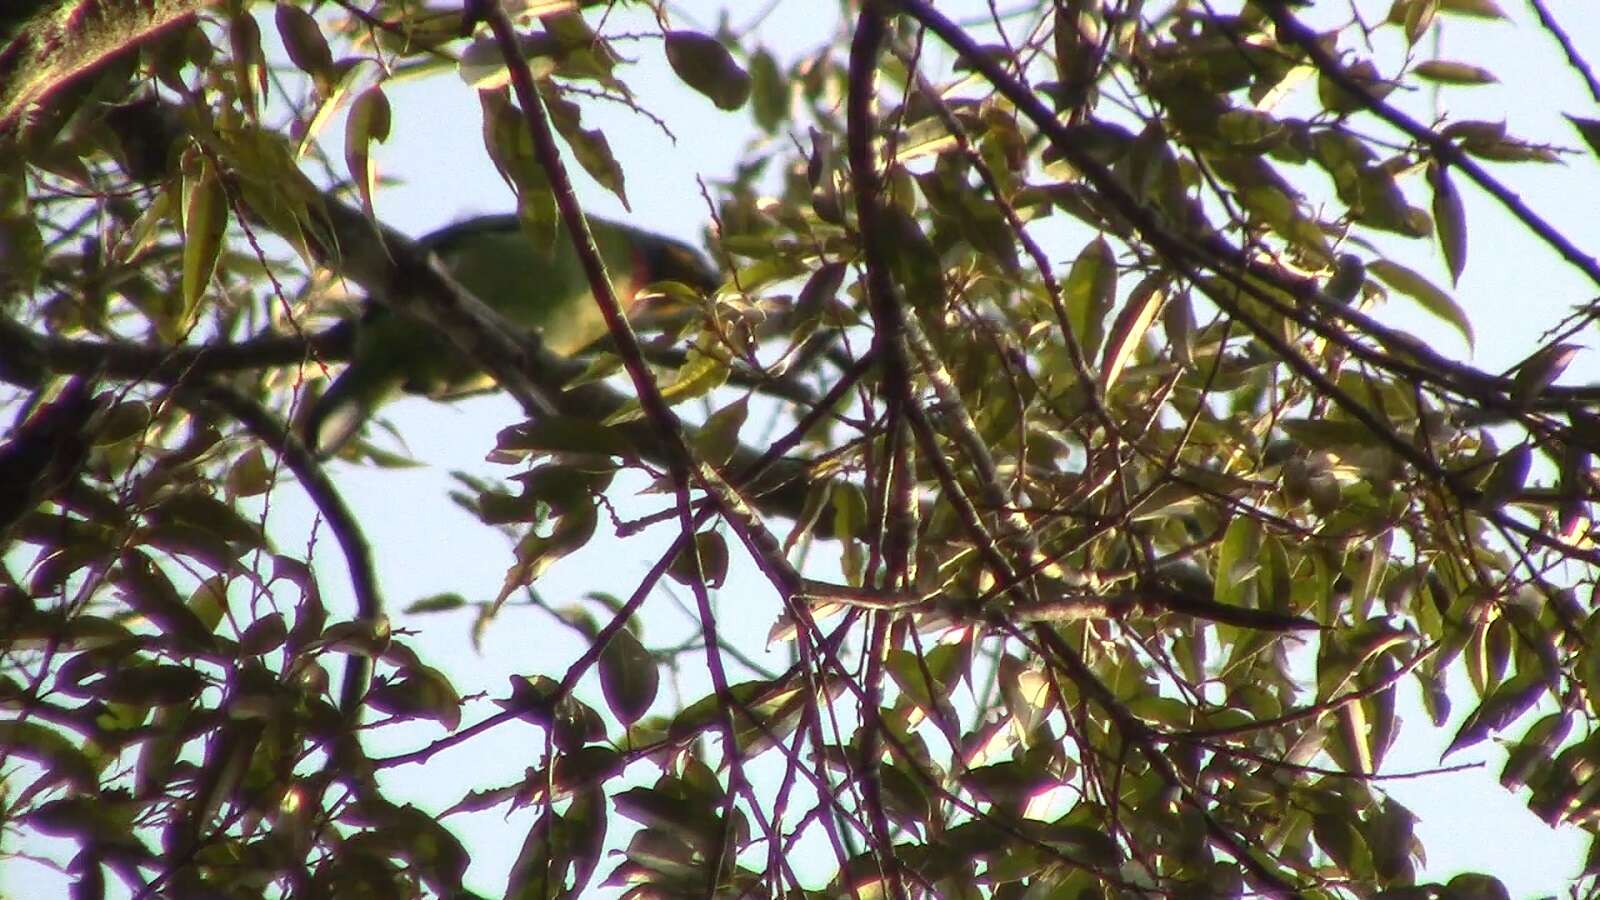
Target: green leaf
423	692
1472	886
1364	74
708	560
1537	745
1340	657
249	476
249	61
1177	321
436	603
1382	204
25	251
1541	370
629	677
575	724
1451	218
701	374
1129	329
205	221
1509	475
913	259
718	438
1249	130
707	66
369	121
589	145
216	519
1329	434
586	835
1338	837
336	88
1389	834
561	434
1237	561
932	697
1090	287
303	40
1479	9
264	635
536	865
535	552
769	91
1420	289
61	758
1448	72
148	591
676	806
566	46
1497	711
149	685
586	768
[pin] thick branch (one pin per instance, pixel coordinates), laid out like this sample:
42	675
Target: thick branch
63	41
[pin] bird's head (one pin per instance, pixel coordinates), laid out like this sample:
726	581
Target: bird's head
680	274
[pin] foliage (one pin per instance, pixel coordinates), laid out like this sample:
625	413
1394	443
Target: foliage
1144	517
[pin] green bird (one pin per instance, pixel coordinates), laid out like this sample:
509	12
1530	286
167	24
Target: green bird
541	288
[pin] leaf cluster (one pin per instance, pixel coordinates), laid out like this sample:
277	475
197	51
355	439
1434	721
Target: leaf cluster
1070	353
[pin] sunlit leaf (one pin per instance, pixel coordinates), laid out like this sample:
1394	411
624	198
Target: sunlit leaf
205	222
1128	330
368	122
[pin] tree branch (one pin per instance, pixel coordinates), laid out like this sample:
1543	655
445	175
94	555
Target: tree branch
344	524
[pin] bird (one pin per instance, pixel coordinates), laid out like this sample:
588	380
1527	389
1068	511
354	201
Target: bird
46	448
541	288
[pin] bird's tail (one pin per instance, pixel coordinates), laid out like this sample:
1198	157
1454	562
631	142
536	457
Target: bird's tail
350	400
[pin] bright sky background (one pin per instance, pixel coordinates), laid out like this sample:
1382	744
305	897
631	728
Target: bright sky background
1513	289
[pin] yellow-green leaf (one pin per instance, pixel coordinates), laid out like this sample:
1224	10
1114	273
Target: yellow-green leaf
700	375
1447	71
770	92
335	89
249	61
369	121
1481	9
205	221
1416	16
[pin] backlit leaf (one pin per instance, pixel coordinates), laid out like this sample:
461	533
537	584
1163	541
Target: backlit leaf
1420	289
